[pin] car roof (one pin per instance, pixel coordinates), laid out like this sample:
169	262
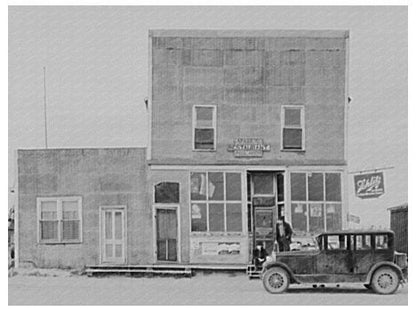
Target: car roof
357	232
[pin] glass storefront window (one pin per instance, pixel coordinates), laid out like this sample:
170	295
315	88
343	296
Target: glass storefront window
315	187
320	195
263	183
298	186
212	208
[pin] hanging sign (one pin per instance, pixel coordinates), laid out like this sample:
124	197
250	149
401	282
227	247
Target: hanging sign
248	147
369	186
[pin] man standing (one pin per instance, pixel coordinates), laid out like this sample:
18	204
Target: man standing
283	234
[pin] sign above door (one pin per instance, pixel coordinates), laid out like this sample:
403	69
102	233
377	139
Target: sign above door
248	147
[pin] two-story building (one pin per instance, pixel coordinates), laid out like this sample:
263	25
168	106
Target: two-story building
245	127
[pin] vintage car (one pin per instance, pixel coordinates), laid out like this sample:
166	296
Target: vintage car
366	257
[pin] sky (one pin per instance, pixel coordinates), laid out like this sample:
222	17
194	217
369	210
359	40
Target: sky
96	61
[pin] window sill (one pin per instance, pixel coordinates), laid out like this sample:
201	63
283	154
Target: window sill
293	150
216	234
204	150
58	243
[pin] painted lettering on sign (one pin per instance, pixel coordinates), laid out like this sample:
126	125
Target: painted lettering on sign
369	185
248	147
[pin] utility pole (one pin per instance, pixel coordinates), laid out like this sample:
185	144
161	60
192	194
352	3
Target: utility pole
44	107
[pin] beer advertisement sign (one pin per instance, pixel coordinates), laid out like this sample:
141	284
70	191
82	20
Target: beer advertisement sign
369	186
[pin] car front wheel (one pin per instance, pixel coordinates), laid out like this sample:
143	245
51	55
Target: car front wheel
275	280
385	281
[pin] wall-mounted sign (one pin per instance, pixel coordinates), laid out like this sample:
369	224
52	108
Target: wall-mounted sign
369	185
353	218
248	147
220	248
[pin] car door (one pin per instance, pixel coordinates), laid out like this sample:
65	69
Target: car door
336	255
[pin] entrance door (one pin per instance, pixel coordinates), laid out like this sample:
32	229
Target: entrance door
113	235
264	227
166	234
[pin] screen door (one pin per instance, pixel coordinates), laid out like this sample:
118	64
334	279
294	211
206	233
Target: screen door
167	234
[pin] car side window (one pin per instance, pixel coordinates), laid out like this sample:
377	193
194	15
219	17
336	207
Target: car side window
337	242
381	241
363	242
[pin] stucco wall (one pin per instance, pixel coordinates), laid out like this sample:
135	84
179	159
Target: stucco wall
100	177
249	78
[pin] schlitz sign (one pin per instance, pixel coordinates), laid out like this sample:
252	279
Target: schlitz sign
369	185
248	147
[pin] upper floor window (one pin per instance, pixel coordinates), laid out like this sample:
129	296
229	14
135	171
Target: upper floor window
59	219
293	128
204	126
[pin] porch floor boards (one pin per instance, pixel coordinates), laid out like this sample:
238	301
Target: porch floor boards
159	269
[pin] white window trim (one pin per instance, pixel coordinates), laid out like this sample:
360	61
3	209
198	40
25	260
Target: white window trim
283	126
224	202
58	201
214	126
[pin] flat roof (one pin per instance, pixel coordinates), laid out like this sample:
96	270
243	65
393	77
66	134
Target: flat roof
232	33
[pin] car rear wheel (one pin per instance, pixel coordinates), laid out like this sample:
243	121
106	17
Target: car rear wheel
276	280
385	281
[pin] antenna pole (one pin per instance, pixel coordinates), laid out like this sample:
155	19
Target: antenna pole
44	107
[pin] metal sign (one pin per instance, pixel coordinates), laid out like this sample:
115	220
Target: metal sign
353	218
369	186
248	147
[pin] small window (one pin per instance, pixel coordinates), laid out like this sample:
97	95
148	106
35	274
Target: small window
381	241
59	219
293	128
337	242
167	192
363	242
204	128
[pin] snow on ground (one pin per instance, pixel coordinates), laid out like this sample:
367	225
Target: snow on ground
66	288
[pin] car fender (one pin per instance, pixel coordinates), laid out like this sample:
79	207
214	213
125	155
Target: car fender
383	264
281	265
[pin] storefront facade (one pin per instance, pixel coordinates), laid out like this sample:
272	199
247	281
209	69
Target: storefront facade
245	127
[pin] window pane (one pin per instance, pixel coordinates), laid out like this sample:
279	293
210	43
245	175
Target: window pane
333	187
70	229
333	217
363	242
292	138
280	187
234	217
216	186
167	192
315	187
204	138
199	217
216	217
337	242
316	218
118	250
118	226
70	210
263	183
198	186
298	186
108	225
48	210
293	117
49	230
381	241
299	217
109	250
233	186
204	116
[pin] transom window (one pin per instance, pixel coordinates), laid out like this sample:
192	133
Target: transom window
216	202
59	219
316	201
204	124
166	192
293	128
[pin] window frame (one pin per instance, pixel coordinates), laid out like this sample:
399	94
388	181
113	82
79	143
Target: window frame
214	127
224	202
59	218
283	127
324	202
